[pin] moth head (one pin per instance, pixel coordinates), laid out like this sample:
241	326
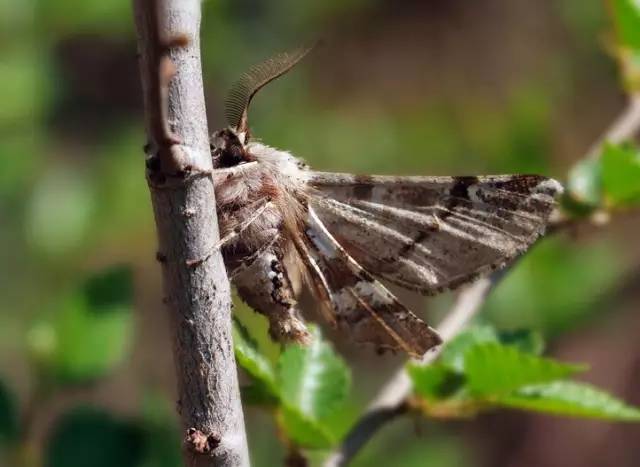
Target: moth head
258	76
227	148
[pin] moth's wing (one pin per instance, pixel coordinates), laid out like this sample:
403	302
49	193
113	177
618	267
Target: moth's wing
433	233
360	303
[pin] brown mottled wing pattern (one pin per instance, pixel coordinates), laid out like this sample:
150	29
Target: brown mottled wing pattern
432	233
361	304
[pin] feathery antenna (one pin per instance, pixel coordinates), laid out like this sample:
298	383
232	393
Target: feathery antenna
240	95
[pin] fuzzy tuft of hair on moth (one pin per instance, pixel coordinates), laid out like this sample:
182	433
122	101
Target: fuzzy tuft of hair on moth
344	235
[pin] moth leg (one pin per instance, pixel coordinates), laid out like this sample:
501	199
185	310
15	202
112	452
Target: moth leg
241	227
266	287
248	261
235	233
220	175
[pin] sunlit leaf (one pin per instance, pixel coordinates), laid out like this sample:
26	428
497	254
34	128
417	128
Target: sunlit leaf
570	398
493	369
313	379
621	174
452	355
93	437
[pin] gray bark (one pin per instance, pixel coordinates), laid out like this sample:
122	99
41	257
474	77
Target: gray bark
197	293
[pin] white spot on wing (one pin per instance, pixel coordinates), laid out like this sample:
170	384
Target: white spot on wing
472	192
550	187
372	293
322	242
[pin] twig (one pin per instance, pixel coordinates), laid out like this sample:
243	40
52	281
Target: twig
467	305
368	425
198	297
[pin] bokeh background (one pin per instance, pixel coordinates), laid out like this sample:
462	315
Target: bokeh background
398	87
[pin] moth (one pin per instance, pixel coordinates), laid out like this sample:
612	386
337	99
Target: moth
343	235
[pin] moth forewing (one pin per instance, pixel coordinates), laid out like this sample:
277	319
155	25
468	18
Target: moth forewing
434	233
343	233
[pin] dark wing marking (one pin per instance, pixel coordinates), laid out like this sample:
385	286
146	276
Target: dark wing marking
258	76
432	233
361	304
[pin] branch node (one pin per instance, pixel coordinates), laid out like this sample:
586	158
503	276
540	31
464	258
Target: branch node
201	443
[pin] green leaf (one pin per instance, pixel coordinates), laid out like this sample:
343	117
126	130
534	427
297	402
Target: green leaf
252	361
313	379
92	437
570	398
9	425
621	174
436	381
452	355
626	18
494	369
91	332
304	430
525	340
626	15
584	186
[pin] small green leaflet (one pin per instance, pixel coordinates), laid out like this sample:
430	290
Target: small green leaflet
493	369
621	174
452	355
308	385
570	399
610	181
483	369
313	378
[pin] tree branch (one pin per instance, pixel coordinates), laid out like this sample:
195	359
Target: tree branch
468	303
182	194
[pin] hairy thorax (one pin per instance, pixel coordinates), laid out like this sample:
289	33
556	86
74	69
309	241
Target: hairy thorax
274	184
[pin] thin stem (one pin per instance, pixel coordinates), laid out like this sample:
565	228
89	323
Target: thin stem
182	193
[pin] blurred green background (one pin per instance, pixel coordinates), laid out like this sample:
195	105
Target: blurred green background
433	87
